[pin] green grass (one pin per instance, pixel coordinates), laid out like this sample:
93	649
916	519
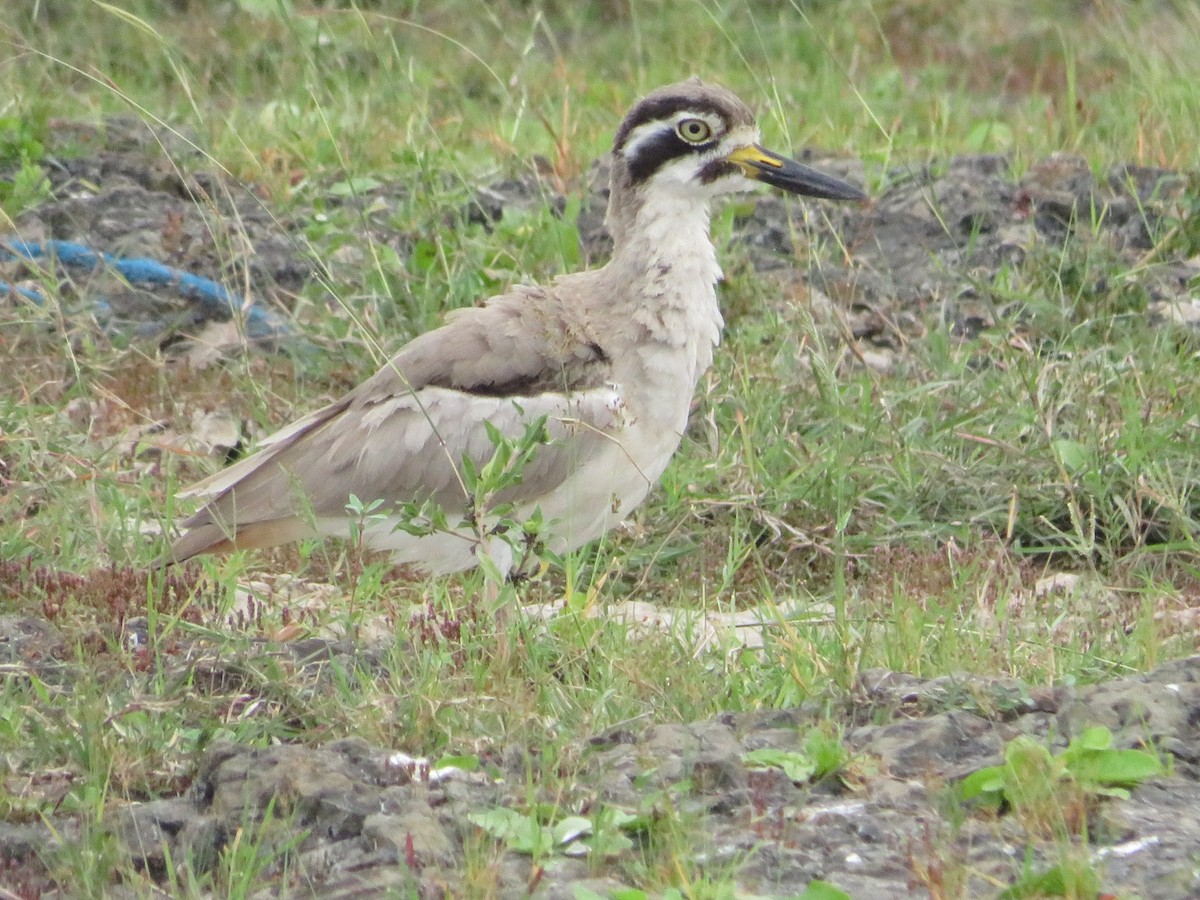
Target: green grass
910	513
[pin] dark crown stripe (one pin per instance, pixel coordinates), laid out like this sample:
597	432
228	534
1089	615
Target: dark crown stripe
664	103
651	110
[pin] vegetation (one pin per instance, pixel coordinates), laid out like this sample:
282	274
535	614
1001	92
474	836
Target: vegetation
916	514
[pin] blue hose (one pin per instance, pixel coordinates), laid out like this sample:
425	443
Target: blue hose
212	297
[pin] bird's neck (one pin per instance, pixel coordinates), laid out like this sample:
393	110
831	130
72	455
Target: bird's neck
665	230
663	247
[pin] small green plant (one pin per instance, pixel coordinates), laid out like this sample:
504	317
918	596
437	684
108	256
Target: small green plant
822	890
1044	789
489	515
21	149
20	141
823	755
363	514
255	851
1073	878
25	188
815	890
538	835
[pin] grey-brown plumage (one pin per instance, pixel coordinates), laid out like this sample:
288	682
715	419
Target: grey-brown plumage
610	357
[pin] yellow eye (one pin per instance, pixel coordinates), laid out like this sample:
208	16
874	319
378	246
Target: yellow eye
694	131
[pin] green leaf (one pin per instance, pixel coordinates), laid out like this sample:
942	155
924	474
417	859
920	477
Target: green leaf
467	762
571	828
1095	738
608	844
520	833
799	767
470	474
627	894
822	890
496	822
360	509
1093	763
352	187
424	256
985	781
1116	767
1072	455
491	572
612	817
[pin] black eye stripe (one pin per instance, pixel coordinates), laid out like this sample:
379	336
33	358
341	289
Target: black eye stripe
648	138
654	153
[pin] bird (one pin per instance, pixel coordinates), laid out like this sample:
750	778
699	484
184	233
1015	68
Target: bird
600	365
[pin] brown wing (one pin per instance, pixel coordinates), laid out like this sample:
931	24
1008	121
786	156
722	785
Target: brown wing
402	434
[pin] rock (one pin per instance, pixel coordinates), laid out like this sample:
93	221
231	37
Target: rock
1154	835
1184	311
200	841
20	842
707	753
950	744
526	193
1148	184
147	831
33	643
414	836
881	361
314	785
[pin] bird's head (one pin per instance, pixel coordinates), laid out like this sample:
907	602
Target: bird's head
694	137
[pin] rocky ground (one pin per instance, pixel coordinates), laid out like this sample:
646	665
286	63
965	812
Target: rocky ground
370	821
373	822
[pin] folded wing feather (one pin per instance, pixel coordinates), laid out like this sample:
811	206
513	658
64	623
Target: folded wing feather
402	434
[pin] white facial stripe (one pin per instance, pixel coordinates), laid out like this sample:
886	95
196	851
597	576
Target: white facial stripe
740	137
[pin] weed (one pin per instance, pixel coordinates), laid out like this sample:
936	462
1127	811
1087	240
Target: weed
1055	793
113	595
595	835
1075	878
822	757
